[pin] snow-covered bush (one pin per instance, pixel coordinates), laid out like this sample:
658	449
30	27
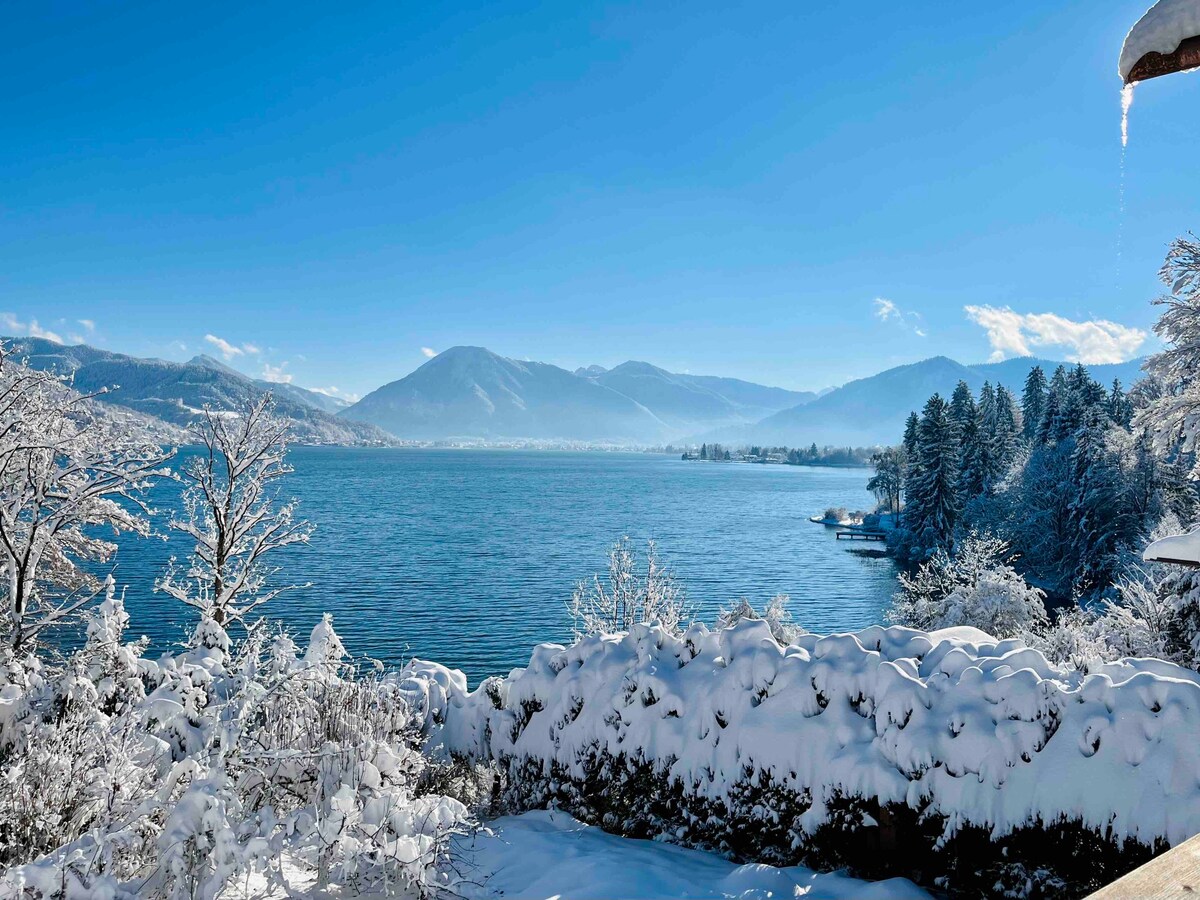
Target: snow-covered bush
975	763
976	586
231	758
629	598
776	614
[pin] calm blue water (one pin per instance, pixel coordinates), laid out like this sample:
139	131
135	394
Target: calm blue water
467	557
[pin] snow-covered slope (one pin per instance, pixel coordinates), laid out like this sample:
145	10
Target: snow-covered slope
727	740
173	392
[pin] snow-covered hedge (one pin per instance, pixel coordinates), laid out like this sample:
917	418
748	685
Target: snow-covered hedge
948	756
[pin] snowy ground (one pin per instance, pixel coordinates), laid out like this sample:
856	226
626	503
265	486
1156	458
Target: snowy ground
549	855
552	855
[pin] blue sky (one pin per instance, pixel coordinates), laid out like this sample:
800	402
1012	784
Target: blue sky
329	189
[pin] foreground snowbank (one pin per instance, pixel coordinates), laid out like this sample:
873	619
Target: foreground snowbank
948	757
547	854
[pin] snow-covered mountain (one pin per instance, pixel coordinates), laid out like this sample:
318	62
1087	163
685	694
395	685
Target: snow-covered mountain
691	402
872	410
174	391
315	399
470	392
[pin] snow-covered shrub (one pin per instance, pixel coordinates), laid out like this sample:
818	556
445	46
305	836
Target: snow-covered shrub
629	598
975	586
891	751
776	614
174	777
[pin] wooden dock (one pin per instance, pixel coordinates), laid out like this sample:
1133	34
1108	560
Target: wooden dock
1173	876
862	535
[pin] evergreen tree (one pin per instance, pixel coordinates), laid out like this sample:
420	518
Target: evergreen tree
1120	407
932	496
1033	402
1101	517
975	446
1005	431
962	407
1056	413
911	428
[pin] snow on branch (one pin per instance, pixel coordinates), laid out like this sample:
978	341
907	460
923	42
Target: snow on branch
232	513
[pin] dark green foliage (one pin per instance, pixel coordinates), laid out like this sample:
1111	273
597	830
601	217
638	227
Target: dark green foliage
1070	488
1033	402
933	478
760	821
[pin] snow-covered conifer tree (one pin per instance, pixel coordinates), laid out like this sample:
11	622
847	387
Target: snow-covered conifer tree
1033	402
933	490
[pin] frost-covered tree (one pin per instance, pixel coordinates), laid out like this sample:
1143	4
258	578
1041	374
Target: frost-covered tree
1120	407
631	594
1173	417
232	512
962	409
775	613
1033	402
911	427
976	586
932	489
887	484
70	478
1102	518
1005	430
1054	425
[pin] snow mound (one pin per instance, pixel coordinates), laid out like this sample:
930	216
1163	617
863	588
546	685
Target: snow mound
1161	30
1177	548
547	854
958	725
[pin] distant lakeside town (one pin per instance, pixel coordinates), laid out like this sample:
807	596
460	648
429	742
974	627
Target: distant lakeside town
782	456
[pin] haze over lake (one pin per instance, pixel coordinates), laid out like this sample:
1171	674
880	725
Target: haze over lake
467	557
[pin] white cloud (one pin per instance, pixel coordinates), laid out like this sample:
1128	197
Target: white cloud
229	351
336	392
1095	341
276	374
885	309
89	325
31	329
428	352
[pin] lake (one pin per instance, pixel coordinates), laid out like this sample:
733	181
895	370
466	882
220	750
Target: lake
468	557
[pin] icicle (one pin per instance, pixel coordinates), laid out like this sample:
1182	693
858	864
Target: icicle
1126	102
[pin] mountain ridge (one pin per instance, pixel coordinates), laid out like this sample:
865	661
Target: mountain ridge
471	392
872	410
174	392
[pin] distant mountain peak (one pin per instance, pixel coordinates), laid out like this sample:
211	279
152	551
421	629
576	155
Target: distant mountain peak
208	362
